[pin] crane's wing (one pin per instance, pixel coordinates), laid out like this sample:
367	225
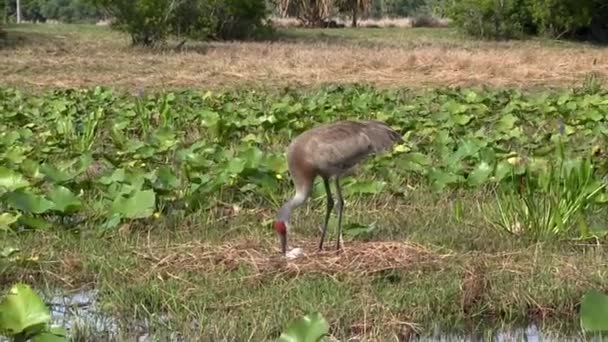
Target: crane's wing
339	146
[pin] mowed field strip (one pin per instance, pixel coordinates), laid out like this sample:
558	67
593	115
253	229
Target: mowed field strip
86	56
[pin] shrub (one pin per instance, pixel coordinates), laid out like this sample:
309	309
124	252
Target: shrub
557	203
145	20
557	18
70	11
498	19
240	19
151	21
514	18
220	19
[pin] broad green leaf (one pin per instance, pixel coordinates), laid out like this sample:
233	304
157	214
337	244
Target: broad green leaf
49	337
413	161
210	120
28	202
34	222
462	119
55	174
594	311
310	328
64	200
21	309
166	178
593	115
139	205
472	97
118	175
58	330
16	154
235	166
252	157
441	179
502	170
9	138
365	187
276	164
252	138
480	174
6	219
112	222
165	138
11	180
454	107
8	251
506	123
31	169
467	148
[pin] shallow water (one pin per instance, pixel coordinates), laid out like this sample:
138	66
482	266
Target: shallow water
530	333
80	311
80	314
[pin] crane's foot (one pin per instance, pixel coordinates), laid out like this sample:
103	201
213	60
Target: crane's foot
339	244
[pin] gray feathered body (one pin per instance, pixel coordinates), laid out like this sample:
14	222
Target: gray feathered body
330	150
334	149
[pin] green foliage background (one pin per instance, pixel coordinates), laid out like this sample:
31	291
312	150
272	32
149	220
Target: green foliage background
517	18
100	156
151	21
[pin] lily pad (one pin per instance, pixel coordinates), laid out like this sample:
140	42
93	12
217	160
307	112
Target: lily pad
22	309
310	328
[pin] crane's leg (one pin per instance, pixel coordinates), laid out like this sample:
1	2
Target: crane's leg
340	207
330	206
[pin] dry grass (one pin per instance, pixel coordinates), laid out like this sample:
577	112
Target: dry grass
387	57
356	258
408	22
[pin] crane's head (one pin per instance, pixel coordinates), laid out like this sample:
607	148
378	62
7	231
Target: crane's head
281	228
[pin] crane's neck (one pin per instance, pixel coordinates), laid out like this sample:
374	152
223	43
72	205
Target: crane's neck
296	201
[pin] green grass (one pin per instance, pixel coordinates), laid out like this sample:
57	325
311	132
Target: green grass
217	264
390	36
394	36
499	282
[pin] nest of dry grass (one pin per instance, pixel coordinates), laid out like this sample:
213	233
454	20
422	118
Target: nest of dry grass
264	259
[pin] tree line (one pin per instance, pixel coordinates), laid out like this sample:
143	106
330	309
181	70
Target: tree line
152	21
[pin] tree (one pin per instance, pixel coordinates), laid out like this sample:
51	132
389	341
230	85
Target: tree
70	11
145	20
355	7
312	13
515	18
152	21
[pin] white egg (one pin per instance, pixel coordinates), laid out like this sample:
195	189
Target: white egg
294	253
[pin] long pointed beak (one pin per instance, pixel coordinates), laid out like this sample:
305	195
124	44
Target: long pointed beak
283	239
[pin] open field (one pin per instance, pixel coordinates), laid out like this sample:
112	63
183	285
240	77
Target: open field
84	56
163	204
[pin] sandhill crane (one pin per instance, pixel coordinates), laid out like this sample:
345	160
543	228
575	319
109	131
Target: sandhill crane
330	150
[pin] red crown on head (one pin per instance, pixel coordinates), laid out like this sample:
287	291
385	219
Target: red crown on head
280	227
